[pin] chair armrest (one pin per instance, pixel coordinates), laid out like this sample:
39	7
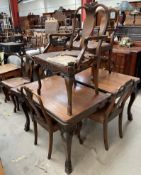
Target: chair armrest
90	38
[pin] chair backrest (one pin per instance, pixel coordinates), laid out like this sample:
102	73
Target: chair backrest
37	107
113	23
119	99
27	65
89	24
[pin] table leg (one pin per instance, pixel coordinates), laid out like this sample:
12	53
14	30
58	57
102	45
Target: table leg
37	69
132	99
68	131
27	124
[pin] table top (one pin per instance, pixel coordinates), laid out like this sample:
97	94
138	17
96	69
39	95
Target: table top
8	68
107	82
54	96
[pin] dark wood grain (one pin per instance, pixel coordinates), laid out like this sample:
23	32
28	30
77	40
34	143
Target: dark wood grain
54	97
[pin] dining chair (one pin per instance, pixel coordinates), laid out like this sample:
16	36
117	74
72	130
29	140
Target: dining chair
40	116
113	109
26	77
71	62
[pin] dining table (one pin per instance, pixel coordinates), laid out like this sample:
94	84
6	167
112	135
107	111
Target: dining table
111	83
54	96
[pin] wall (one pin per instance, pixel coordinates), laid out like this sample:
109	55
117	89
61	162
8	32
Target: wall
113	3
51	5
4	6
41	6
37	7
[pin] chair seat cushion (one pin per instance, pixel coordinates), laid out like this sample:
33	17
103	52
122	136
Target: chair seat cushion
14	82
62	59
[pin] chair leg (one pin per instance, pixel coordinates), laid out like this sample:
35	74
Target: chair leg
105	135
35	132
79	126
120	125
17	102
95	77
5	91
14	102
50	144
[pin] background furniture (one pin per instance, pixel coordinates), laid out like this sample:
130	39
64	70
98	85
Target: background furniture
132	32
25	77
125	60
11	47
134	18
9	71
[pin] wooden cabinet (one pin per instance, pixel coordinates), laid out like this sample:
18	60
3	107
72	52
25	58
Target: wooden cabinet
121	61
125	59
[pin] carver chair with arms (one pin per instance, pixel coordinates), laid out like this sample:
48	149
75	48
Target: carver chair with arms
70	62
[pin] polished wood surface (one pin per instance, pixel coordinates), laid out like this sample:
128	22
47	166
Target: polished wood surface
107	82
9	70
54	97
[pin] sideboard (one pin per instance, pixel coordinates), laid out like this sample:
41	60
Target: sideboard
127	60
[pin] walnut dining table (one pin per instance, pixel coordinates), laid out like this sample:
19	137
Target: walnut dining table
54	96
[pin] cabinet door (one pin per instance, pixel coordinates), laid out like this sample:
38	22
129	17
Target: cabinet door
121	62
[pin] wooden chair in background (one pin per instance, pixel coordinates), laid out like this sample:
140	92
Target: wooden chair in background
26	77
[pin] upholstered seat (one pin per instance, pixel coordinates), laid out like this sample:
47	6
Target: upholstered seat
64	60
